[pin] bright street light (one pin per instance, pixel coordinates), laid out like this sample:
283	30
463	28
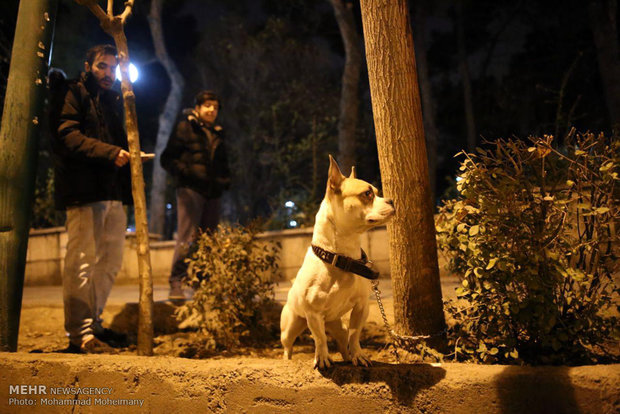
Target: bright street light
133	73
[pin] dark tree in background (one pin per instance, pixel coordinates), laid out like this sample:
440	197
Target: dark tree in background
166	120
349	100
420	28
604	23
464	71
519	54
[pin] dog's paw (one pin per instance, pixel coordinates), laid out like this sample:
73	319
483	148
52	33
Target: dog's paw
361	359
322	362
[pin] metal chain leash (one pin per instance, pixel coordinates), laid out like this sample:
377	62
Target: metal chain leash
398	341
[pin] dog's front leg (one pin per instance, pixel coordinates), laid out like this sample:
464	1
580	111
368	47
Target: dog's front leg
316	323
337	330
358	318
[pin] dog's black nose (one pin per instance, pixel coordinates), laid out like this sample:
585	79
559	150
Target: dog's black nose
390	202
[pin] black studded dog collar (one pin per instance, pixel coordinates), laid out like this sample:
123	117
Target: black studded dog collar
359	267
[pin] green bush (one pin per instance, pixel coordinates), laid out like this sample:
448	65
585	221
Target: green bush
232	274
533	238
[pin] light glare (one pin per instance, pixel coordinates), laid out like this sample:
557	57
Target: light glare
133	73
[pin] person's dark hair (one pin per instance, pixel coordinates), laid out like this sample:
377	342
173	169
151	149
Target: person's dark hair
203	96
94	51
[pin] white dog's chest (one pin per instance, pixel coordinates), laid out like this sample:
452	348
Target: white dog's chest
338	301
329	296
338	305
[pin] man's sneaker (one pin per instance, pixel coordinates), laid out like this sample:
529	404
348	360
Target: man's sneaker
176	291
91	345
96	346
72	349
112	338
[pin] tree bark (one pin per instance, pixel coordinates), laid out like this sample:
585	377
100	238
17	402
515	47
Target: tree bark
426	90
418	307
114	26
349	99
465	78
145	315
603	14
22	120
166	118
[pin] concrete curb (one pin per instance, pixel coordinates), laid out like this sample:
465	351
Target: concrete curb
254	385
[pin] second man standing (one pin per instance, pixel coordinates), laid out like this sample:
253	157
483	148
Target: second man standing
196	158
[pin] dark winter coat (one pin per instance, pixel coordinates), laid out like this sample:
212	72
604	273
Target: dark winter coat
89	135
196	157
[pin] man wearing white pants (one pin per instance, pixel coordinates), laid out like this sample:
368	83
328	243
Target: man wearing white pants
96	236
92	183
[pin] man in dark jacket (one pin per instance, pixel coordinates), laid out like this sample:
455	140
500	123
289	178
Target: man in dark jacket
196	157
92	183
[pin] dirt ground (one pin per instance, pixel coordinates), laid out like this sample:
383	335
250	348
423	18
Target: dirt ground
42	331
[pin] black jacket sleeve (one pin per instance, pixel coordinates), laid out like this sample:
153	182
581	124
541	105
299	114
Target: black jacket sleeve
171	157
71	136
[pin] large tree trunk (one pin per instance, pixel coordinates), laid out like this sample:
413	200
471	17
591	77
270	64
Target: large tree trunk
349	99
418	307
115	27
465	78
19	135
603	14
166	118
426	92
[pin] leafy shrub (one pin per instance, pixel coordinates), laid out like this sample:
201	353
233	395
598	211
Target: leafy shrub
533	238
231	272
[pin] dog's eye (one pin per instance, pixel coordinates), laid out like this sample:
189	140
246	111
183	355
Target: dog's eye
369	194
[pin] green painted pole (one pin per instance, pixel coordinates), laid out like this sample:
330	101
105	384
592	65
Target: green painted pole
20	129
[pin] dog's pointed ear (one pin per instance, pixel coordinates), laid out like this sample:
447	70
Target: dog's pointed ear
352	173
335	177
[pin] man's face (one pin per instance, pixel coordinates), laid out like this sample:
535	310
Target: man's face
103	69
207	111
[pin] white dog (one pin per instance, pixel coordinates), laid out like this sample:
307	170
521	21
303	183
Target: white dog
333	279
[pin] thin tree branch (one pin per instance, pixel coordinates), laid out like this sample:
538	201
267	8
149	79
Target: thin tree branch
127	11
